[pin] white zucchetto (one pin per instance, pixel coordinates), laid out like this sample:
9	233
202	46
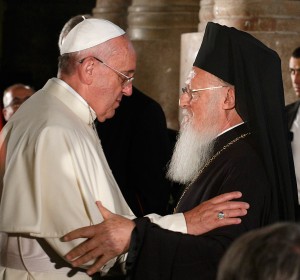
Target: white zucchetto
89	33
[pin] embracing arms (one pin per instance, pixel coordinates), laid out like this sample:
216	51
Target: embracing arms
112	237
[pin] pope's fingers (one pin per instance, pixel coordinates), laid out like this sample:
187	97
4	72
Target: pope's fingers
82	249
100	262
85	258
84	232
106	214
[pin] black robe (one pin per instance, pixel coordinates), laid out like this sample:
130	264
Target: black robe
137	148
163	254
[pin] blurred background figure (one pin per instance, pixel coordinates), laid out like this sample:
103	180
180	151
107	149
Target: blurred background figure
270	253
293	116
1	119
294	67
13	97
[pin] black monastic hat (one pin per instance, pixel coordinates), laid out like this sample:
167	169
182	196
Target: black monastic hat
238	58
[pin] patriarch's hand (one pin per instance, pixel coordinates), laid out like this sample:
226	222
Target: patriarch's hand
217	212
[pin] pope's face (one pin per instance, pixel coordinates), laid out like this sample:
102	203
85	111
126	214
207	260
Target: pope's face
110	87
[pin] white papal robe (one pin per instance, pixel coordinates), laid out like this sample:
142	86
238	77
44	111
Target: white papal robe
53	170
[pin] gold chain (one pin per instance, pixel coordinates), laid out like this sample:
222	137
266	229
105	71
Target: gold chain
208	163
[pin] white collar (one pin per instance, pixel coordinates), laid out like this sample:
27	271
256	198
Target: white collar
74	93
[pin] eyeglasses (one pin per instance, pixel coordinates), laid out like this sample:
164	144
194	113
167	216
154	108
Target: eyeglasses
193	93
126	79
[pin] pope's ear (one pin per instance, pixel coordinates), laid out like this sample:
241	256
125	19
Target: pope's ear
229	102
86	70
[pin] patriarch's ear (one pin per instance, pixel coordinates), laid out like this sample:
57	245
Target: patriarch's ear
229	101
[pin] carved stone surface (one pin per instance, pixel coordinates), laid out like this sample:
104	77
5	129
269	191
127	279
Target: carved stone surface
277	41
258	15
155	28
206	13
275	22
162	19
113	10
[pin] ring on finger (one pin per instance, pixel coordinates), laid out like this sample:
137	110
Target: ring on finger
220	215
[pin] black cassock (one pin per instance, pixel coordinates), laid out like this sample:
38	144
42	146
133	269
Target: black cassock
137	148
163	254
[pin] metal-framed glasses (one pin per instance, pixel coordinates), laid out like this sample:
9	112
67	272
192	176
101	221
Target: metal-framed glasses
126	79
193	93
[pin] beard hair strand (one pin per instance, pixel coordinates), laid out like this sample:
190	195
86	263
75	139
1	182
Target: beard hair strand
194	147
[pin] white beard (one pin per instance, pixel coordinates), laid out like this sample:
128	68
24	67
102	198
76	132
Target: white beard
193	149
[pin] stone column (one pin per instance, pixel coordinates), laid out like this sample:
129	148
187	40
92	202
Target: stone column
275	22
206	13
113	10
155	27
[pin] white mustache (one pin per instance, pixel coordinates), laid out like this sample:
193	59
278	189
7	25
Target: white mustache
187	116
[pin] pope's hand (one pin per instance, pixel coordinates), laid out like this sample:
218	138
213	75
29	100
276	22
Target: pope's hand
105	240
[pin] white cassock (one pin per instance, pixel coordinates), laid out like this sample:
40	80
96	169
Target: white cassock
54	169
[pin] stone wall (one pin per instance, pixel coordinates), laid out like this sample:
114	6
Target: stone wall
276	23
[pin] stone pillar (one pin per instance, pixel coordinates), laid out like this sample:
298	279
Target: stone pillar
155	28
113	10
275	22
206	13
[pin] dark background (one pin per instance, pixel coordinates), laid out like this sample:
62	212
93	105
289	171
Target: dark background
29	31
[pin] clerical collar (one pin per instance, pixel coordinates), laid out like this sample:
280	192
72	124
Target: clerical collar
74	93
230	128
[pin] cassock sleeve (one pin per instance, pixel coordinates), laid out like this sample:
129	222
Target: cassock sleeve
159	254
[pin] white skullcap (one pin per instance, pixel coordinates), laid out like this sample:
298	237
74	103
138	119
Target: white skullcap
89	33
